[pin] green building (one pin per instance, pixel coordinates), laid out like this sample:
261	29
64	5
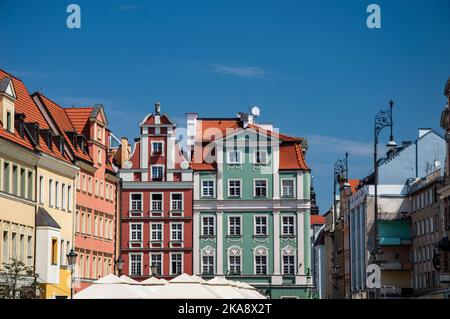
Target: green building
251	205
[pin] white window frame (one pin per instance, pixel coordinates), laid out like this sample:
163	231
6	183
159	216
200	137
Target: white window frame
203	225
151	171
240	157
130	264
229	225
282	225
240	187
254	260
151	201
142	202
254	187
162	262
237	255
213	187
151	232
153	149
141	231
182	202
293	187
171	260
254	225
260	151
213	255
172	231
283	254
41	189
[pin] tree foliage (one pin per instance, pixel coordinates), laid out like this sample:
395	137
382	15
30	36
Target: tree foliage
18	281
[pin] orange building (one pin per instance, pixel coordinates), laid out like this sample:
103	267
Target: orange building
86	133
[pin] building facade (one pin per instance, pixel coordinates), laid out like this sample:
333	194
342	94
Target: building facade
86	135
251	205
156	220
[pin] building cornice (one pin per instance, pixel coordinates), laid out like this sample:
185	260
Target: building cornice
157	185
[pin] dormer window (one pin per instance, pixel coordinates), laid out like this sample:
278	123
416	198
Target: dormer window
9	121
7	99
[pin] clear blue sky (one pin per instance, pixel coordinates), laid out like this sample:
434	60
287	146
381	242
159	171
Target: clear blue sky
313	67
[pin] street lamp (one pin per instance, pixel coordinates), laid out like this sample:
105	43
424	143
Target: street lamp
71	260
119	264
340	172
382	119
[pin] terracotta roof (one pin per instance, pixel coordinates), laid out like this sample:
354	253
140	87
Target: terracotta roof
25	104
79	116
317	220
291	157
64	123
213	129
354	184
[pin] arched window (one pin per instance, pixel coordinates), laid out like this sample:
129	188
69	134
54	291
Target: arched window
234	260
288	261
208	261
260	260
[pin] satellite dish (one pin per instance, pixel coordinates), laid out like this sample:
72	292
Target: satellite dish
255	111
184	165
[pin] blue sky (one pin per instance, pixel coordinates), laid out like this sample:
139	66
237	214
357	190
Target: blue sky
313	67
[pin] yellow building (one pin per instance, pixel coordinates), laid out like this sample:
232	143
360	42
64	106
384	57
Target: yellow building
37	189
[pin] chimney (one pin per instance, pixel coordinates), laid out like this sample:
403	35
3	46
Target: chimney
191	126
124	154
157	108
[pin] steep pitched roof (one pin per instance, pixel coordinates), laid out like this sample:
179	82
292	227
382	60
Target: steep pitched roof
79	116
317	219
44	219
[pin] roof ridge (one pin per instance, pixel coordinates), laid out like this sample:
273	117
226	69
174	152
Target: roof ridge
9	74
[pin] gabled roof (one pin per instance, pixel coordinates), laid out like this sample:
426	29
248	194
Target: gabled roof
6	86
79	116
150	119
44	219
63	124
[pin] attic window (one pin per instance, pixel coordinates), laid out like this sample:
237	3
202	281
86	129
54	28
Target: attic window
9	121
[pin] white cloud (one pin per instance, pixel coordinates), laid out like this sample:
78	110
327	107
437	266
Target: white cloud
336	145
237	70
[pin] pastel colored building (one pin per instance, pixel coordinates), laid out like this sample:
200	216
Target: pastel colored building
86	135
251	204
156	199
38	185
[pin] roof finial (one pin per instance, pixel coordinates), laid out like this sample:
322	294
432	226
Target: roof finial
157	107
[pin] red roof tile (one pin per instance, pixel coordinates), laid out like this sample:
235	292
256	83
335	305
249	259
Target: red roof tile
317	220
354	184
79	116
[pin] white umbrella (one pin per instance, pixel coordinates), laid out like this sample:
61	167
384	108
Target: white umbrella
185	287
248	290
152	284
111	287
224	288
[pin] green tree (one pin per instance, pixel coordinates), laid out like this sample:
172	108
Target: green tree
19	281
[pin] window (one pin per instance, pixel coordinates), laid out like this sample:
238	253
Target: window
208	261
176	266
14	245
288	225
61	254
260	225
156	230
176	201
63	197
157	172
234	258
135	232
234	157
22	248
101	189
260	157
22	182
89	187
107	191
84	183
89	222
6	177
30	250
176	231
5	247
234	225
157	202
78	181
99	156
136	202
99	133
50	192
234	188
208	226
100	225
136	264
287	186
54	251
95	226
260	188
15	180
288	262
260	261
157	148
96	187
83	223
57	194
8	121
69	198
207	188
156	262
41	189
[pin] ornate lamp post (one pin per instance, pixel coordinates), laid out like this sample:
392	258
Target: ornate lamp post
340	172
119	265
382	119
71	260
